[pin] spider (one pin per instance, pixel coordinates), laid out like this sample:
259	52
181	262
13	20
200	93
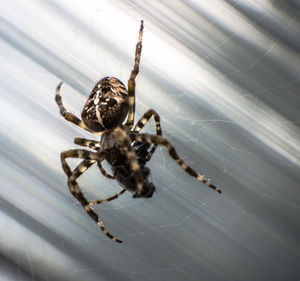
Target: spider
121	145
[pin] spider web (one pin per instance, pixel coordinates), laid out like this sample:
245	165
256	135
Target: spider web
224	77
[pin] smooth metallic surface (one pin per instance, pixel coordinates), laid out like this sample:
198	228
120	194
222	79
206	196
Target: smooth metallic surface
224	77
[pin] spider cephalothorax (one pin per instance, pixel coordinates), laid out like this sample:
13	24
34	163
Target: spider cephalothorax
123	173
125	149
129	173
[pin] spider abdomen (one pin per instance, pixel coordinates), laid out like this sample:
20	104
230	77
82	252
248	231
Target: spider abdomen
107	105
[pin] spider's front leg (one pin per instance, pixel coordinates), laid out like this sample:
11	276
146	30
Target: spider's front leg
159	140
126	149
131	81
143	121
96	146
87	143
101	201
90	159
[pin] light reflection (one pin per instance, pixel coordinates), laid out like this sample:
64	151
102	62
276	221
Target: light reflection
225	84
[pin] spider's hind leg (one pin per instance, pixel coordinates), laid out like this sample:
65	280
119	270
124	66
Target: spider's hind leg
159	140
67	115
143	121
131	81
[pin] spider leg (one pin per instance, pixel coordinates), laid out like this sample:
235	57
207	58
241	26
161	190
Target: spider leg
125	146
87	143
143	121
92	203
159	140
96	146
104	173
74	187
67	115
131	81
77	153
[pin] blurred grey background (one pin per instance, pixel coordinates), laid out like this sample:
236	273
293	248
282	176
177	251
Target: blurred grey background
224	77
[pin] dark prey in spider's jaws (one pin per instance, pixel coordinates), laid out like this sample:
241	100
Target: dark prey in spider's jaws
121	145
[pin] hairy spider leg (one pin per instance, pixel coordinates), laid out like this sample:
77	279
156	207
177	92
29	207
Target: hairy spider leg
125	146
67	115
87	143
76	153
103	172
96	146
101	201
131	81
159	140
143	121
90	159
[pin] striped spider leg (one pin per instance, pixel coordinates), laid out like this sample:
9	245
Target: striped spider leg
96	146
143	121
131	81
69	116
159	140
89	159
